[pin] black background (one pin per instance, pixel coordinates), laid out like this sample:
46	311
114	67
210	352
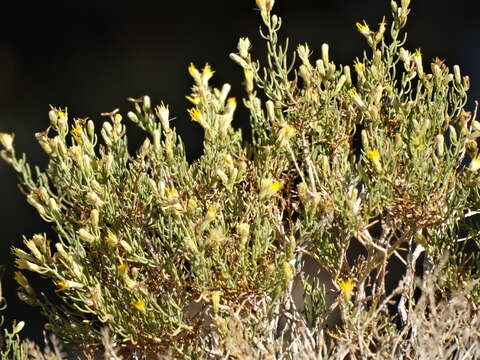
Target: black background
92	55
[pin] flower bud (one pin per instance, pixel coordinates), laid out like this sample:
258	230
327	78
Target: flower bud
453	134
223	177
224	93
61	147
93	199
146	103
440	142
133	117
394	7
320	67
156	140
437	72
340	83
466	83
168	147
126	246
287	274
91	129
240	61
458	77
331	69
145	148
348	76
365	141
52	115
270	110
325	54
243	230
53	206
61	249
248	79
44	142
304	73
85	235
417	58
292	246
215	301
62	126
94	218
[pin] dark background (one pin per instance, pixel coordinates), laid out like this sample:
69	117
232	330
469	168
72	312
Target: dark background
92	55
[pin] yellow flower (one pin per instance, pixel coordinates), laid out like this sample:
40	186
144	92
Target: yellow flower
139	304
193	99
192	205
194	73
363	28
122	268
62	113
68	284
196	114
269	187
346	286
62	285
231	106
207	73
111	238
374	156
76	132
211	213
172	194
243	230
358	66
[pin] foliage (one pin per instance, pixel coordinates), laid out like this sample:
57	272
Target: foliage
185	258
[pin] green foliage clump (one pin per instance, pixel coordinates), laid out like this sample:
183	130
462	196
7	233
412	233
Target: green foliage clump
203	259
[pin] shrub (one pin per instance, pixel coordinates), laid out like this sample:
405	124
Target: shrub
201	259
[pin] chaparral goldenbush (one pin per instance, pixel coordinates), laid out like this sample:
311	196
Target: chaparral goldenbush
159	257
